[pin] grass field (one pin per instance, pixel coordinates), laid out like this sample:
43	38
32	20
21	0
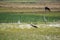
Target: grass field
50	33
42	33
10	16
29	17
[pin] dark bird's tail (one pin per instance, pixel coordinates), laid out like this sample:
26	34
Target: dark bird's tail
34	26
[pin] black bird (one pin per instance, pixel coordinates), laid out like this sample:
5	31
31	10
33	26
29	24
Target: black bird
47	8
34	26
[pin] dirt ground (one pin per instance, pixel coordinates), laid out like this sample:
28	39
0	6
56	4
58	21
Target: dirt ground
35	6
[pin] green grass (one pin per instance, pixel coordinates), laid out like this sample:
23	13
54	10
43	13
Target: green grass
48	33
30	34
29	17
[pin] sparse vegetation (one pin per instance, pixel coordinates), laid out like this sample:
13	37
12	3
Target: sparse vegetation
11	32
30	34
16	17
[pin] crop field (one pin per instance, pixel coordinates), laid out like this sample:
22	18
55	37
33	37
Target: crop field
13	32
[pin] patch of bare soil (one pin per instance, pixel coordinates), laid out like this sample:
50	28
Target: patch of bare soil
39	6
